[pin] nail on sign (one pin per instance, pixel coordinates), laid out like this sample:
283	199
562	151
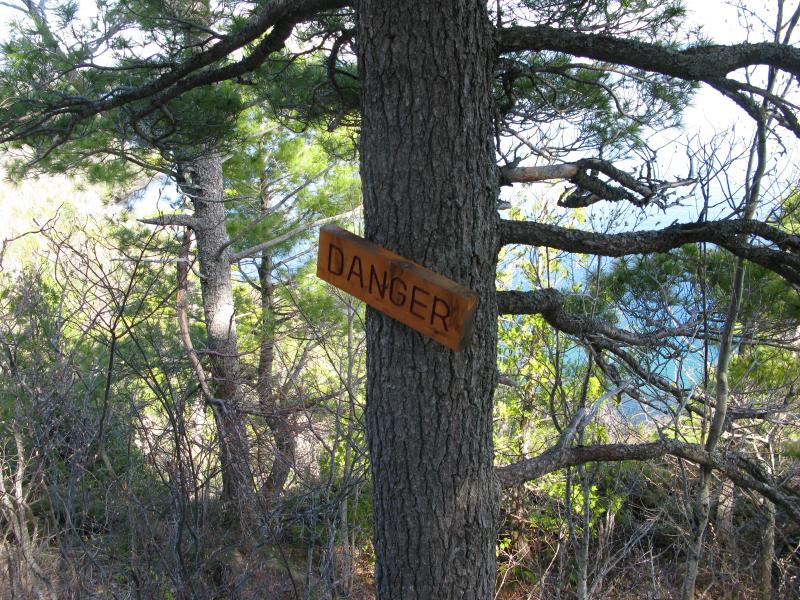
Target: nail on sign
425	301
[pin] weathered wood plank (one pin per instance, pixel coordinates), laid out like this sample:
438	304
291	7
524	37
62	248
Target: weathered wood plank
421	299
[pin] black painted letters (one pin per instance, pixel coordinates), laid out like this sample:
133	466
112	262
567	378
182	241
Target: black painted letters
331	248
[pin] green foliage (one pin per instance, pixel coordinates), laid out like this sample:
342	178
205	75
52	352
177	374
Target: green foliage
764	369
607	109
156	431
676	277
55	59
301	94
647	19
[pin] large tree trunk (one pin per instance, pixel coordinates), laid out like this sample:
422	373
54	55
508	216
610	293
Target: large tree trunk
202	181
429	183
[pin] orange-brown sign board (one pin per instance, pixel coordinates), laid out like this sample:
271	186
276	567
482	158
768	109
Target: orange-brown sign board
425	301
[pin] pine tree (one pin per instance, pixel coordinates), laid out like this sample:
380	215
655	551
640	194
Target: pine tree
441	86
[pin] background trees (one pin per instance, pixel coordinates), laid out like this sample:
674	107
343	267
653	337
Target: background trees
657	344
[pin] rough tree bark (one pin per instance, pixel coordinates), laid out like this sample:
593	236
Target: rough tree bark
426	71
201	180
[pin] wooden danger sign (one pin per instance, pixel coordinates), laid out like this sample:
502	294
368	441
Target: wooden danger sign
425	301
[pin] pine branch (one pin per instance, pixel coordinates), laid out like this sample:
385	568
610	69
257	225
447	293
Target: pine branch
710	63
280	16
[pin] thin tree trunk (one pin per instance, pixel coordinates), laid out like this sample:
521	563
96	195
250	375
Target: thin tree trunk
755	171
767	555
201	179
581	548
15	511
703	498
345	533
725	534
430	187
582	551
699	523
272	403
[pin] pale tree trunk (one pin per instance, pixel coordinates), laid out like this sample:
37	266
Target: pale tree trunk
726	535
703	498
16	513
582	551
581	544
269	396
201	179
700	512
346	534
767	555
430	187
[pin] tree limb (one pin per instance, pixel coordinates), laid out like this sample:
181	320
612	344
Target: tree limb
708	63
549	303
783	260
509	175
698	63
171	220
591	188
560	458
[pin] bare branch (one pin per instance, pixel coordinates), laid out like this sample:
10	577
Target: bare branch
581	418
510	175
290	234
506	380
171	220
591	188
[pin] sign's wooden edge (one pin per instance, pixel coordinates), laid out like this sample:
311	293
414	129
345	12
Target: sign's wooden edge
470	297
469	324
